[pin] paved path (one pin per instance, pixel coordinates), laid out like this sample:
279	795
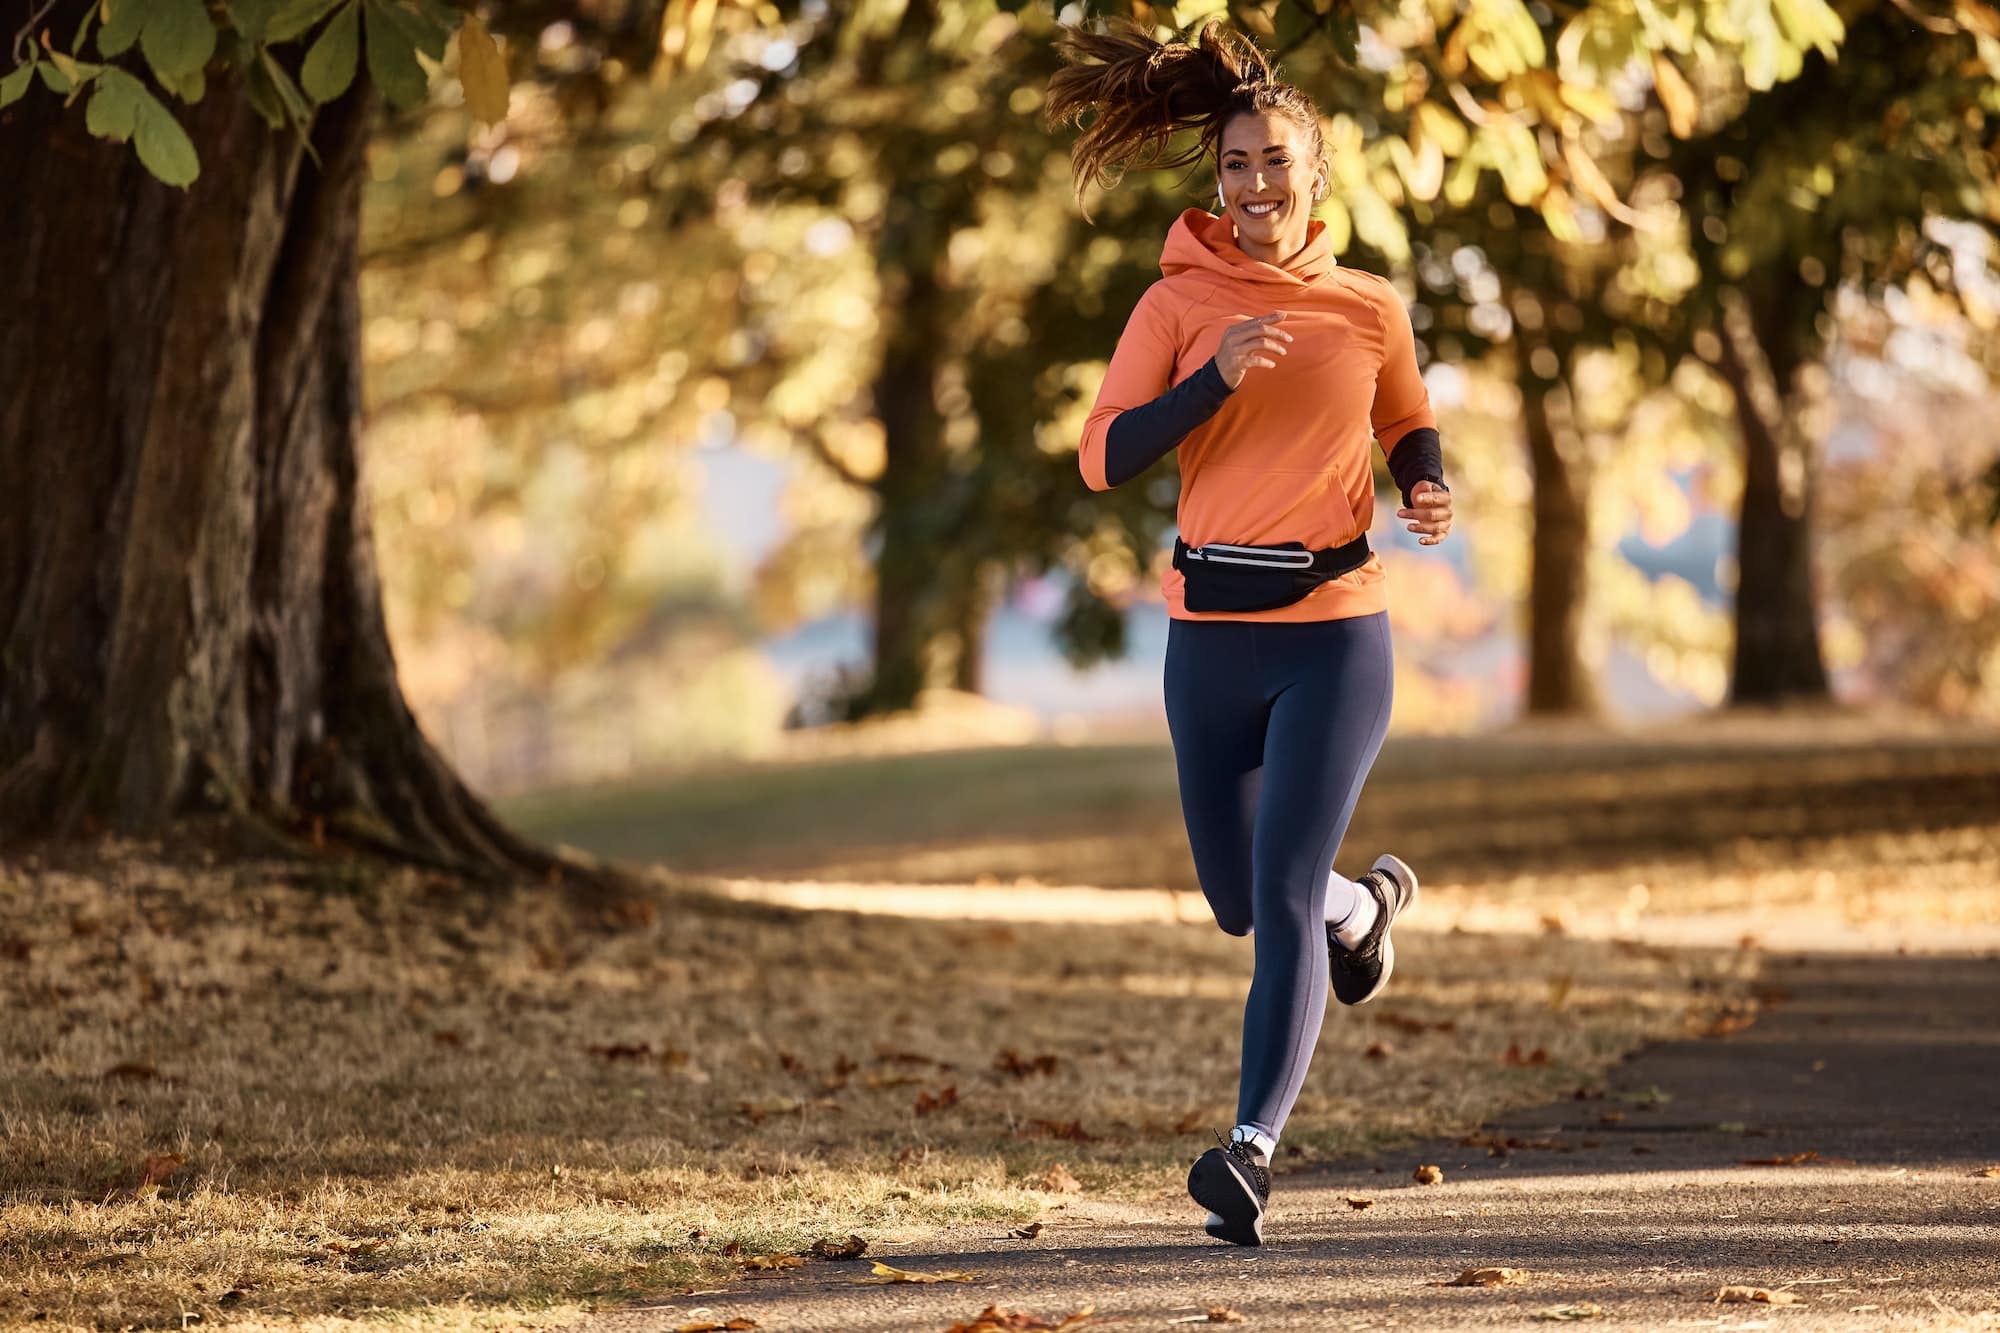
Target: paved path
1886	1067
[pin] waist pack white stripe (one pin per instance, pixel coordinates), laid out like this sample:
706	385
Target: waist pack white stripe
1251	555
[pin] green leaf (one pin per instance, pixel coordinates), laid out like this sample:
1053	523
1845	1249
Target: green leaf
294	17
191	87
423	32
392	58
293	102
57	81
252	18
15	86
264	95
329	67
113	112
163	145
122	21
178	37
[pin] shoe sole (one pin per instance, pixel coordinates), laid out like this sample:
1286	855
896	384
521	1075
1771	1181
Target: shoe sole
1216	1184
1402	874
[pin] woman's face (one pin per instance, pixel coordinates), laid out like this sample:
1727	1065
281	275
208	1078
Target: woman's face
1264	161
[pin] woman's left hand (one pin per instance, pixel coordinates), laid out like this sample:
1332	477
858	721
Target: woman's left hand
1431	510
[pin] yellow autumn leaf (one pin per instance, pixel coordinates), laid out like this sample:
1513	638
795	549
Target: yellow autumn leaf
482	71
1339	224
1593	104
884	1274
1439	126
1683	111
1756	1296
1421	168
1561	219
1588	179
1489	1277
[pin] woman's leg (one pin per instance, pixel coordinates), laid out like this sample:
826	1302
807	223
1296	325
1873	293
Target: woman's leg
1331	683
1216	711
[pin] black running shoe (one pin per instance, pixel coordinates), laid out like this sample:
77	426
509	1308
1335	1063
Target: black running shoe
1359	974
1233	1183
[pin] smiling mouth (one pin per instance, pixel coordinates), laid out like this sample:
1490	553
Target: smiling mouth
1261	210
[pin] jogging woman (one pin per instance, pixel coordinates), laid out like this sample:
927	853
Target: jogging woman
1270	368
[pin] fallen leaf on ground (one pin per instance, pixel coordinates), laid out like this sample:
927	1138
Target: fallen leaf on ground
891	1080
829	1248
1518	1058
1378	1050
1990	1172
770	1262
1009	1063
1428	1175
1357	1202
946	1096
1790	1159
1028	1232
1217	1314
1058	1180
1560	1314
733	1326
622	1051
1415	1026
1733	1018
131	1069
908	1058
885	1274
1488	1277
1756	1296
158	1167
999	1319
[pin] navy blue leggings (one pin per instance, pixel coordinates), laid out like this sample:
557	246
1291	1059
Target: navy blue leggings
1275	725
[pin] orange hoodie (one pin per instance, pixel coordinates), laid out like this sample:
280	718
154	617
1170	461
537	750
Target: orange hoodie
1286	457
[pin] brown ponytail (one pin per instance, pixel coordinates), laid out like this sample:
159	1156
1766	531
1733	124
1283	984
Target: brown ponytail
1143	90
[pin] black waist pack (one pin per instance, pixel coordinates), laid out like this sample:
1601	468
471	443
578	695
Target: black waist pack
1221	577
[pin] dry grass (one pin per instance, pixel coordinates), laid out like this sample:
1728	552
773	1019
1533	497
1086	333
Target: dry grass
1830	818
396	1106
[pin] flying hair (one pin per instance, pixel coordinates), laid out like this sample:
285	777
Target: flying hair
1143	91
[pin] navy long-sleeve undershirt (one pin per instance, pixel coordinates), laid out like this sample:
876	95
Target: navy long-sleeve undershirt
1140	436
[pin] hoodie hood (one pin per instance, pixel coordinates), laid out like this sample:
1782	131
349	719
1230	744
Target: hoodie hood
1201	240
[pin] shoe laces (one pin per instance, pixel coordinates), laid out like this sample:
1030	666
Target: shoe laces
1246	1153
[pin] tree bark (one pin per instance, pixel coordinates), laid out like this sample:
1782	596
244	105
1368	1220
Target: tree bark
975	611
1558	680
190	619
1777	657
912	543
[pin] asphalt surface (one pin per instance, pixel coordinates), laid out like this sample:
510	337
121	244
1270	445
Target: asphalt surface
1874	1079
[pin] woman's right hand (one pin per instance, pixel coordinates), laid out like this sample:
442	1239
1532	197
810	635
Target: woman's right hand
1251	342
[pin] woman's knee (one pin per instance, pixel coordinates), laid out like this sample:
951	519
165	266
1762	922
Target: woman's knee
1233	921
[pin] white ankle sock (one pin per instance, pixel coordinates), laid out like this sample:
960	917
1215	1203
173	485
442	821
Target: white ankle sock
1256	1138
1350	909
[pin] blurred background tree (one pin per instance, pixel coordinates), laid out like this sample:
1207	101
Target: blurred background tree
1526	174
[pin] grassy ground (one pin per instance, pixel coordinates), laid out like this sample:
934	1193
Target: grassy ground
262	1096
1831	813
388	1105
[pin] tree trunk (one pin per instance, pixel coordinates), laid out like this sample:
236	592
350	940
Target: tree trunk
974	612
912	542
190	620
1558	680
1777	655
